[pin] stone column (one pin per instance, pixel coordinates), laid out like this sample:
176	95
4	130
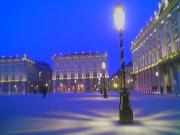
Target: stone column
137	82
146	80
54	86
158	79
177	78
172	78
24	87
142	81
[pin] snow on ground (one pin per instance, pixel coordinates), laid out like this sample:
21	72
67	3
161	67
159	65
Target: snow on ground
87	114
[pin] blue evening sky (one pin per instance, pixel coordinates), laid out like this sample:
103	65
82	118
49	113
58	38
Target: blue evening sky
41	28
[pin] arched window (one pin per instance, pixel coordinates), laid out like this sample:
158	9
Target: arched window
57	77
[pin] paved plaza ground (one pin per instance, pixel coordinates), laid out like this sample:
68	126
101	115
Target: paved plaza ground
87	114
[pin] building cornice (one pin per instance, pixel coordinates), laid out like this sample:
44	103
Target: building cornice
13	81
153	24
79	56
16	59
160	61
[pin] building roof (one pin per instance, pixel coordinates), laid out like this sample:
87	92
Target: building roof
163	11
80	55
16	58
43	65
164	5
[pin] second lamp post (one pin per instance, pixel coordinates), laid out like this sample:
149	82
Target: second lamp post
125	111
104	80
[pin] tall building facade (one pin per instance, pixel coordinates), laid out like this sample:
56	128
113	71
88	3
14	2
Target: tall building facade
78	72
22	75
156	50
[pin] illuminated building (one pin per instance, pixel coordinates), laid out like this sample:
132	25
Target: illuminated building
22	75
116	79
78	72
156	50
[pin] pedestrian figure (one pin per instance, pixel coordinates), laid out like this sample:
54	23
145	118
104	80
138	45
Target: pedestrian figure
152	89
176	94
101	90
75	90
168	89
155	88
34	91
161	90
44	91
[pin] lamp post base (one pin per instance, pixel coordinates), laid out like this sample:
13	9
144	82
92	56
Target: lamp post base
105	95
101	92
125	111
126	116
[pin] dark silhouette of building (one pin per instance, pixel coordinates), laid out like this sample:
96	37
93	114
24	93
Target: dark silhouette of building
23	75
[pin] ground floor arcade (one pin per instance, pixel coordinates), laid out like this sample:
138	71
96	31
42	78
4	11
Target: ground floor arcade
164	76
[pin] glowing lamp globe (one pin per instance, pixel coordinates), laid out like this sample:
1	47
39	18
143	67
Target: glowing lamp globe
119	17
157	74
103	65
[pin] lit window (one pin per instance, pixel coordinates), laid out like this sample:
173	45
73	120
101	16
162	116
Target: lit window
79	75
68	76
87	75
13	78
20	78
6	78
72	76
107	75
91	75
57	76
61	77
65	76
76	76
95	74
83	76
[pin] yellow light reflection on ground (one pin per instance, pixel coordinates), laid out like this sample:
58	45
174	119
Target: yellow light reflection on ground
107	123
92	118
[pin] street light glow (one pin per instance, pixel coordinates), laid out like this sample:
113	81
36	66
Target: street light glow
103	65
119	18
157	74
115	85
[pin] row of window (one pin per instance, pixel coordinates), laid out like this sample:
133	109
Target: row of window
152	57
11	68
12	78
80	76
163	39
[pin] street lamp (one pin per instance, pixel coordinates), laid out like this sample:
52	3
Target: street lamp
100	79
75	85
104	79
157	74
40	81
125	111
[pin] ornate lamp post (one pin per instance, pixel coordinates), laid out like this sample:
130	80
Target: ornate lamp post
40	81
157	76
101	83
125	111
75	85
104	80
